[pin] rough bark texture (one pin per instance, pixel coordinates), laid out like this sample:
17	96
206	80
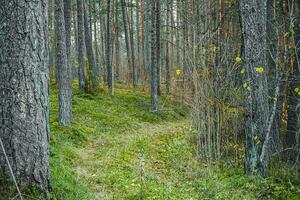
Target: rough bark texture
81	47
90	52
293	126
68	29
63	67
154	94
168	75
24	104
128	50
109	47
158	46
253	15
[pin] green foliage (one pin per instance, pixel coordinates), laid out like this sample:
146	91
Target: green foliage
99	156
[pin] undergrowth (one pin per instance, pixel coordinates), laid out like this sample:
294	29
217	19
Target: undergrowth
117	149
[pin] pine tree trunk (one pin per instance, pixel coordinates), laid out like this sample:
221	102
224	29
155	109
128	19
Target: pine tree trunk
62	61
109	47
24	103
293	125
158	46
90	52
253	15
168	75
125	24
81	47
154	92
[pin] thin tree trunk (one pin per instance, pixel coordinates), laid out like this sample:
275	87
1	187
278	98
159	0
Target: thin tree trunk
154	92
62	64
90	52
128	52
109	48
81	47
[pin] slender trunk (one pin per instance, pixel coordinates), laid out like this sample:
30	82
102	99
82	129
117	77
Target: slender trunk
81	47
154	44
158	46
132	51
92	67
124	16
109	47
168	75
64	81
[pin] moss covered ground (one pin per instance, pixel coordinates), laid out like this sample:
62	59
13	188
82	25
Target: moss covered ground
117	149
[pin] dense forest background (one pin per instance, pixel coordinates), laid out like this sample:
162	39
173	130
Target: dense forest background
149	99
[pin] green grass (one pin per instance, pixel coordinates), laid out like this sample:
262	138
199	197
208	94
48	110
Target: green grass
117	149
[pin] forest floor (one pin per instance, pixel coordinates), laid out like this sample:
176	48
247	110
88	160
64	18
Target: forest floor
117	149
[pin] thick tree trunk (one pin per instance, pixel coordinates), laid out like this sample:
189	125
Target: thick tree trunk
24	104
253	15
81	47
293	126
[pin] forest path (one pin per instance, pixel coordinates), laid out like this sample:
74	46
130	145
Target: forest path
124	164
117	149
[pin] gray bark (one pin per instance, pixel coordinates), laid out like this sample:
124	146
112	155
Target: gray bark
81	47
293	126
90	53
24	104
253	15
128	50
63	67
109	47
154	92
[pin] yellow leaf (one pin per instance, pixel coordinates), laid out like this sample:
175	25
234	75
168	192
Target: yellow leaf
243	71
296	89
238	59
245	85
259	69
178	72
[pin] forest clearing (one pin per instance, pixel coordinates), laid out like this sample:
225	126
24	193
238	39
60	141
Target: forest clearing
149	99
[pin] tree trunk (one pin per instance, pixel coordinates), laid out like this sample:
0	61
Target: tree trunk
109	47
62	61
131	37
293	125
154	92
92	67
117	43
253	15
24	104
168	75
128	50
158	46
81	47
